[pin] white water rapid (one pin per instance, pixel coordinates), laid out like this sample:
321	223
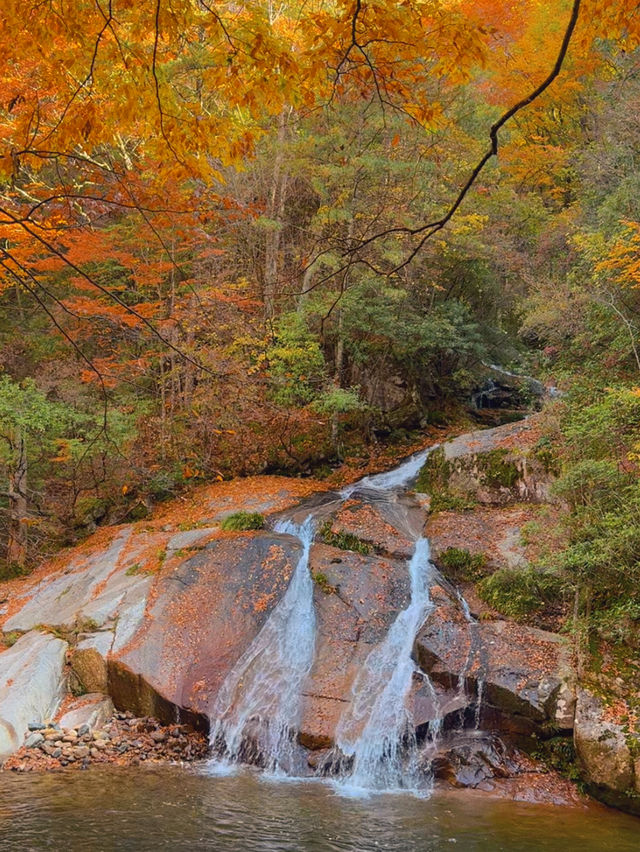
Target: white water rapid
377	731
257	711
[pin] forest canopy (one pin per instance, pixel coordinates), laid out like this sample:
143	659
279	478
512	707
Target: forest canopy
238	237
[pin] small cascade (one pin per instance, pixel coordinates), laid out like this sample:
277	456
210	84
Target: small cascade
257	711
391	480
376	734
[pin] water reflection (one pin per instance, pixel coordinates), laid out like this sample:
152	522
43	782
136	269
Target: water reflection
186	809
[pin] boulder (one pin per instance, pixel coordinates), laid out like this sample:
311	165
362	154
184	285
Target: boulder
90	710
492	466
32	685
522	675
607	753
371	525
203	613
356	601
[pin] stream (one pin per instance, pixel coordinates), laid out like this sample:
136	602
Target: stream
173	808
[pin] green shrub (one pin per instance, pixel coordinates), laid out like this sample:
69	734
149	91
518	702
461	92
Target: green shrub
322	581
559	754
518	593
10	570
240	521
460	565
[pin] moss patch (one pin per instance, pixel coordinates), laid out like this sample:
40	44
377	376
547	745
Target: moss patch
322	581
344	540
496	470
242	521
434	474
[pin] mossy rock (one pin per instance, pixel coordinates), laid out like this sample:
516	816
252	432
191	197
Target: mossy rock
496	470
434	474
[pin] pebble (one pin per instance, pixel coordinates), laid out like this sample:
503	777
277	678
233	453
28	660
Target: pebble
158	736
36	726
34	740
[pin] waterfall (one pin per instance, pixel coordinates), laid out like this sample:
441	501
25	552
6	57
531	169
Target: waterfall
377	730
256	715
257	712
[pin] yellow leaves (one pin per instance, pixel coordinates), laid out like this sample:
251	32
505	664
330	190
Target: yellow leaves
623	256
469	224
64	451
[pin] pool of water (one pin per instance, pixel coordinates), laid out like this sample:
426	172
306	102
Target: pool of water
190	809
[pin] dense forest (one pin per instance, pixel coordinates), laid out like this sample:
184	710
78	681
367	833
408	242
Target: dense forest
258	237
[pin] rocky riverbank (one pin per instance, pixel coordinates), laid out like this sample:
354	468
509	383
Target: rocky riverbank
122	739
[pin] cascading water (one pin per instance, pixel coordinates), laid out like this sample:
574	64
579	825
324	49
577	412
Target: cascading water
377	731
257	711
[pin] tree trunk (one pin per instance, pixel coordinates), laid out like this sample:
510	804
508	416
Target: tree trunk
17	546
275	212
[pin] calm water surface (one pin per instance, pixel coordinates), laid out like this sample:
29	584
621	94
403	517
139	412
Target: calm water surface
187	809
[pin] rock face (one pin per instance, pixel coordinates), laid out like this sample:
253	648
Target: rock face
356	602
492	466
607	753
31	686
158	615
201	618
522	675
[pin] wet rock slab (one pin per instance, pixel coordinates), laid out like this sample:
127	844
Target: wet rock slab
357	601
523	674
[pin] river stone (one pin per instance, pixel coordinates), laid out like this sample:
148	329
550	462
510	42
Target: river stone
524	673
33	740
602	747
31	686
89	711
